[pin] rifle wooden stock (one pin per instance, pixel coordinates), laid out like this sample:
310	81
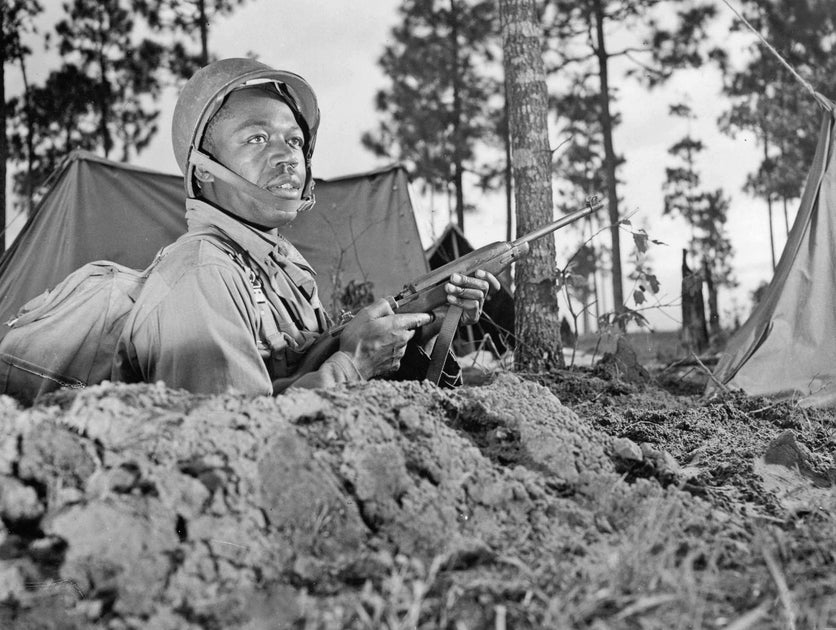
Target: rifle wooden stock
427	292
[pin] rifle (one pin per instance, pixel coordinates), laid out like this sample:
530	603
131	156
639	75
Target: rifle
427	292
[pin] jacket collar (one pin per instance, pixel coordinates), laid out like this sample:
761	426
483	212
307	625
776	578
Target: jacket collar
260	245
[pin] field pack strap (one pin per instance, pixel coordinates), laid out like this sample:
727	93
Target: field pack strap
269	328
442	343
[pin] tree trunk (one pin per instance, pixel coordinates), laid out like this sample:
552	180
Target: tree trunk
694	334
509	179
610	160
771	229
103	91
30	137
768	187
713	310
537	322
4	147
204	32
458	167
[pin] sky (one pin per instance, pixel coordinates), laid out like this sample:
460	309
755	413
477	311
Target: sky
335	45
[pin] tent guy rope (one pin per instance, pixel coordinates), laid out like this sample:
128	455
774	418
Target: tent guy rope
820	99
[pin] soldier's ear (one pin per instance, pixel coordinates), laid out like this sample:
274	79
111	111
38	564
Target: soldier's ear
202	175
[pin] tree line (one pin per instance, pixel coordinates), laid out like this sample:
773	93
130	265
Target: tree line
445	111
114	58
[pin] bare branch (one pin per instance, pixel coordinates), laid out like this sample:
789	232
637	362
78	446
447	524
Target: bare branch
570	60
630	49
650	69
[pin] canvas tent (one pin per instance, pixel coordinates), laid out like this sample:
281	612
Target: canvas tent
498	322
787	347
362	228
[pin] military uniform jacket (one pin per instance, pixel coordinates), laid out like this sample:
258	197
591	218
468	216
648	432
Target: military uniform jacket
202	320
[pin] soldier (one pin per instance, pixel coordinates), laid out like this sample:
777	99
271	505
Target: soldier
232	305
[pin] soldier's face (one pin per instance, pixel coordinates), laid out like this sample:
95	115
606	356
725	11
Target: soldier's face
256	135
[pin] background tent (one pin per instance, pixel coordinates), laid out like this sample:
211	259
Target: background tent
362	228
499	308
788	345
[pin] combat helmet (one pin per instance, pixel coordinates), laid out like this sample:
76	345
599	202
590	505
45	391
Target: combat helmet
204	94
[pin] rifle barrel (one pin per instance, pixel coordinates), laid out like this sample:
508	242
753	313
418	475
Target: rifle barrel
561	222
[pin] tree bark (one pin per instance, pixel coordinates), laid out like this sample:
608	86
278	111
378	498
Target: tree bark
537	322
694	334
610	159
714	328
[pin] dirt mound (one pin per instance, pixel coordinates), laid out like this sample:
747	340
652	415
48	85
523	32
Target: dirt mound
402	506
140	507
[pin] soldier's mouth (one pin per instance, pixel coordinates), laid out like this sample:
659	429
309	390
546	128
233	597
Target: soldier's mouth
282	190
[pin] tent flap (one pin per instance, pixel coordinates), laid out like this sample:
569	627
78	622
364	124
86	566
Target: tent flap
787	347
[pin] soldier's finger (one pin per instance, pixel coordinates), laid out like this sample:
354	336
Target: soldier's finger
411	321
459	281
471	294
491	279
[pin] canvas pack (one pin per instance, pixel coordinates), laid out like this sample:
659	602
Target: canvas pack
66	337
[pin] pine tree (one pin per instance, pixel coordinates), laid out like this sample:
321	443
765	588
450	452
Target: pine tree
190	18
97	36
768	101
102	98
16	19
579	173
439	105
537	321
705	211
49	122
578	33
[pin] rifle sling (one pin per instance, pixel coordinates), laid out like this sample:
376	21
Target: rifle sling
442	343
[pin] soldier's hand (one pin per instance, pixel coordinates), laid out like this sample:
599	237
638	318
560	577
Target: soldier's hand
470	293
376	337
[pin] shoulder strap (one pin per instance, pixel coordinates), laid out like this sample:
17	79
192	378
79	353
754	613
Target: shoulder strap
442	344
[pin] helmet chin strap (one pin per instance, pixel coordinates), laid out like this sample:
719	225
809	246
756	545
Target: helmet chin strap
289	207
